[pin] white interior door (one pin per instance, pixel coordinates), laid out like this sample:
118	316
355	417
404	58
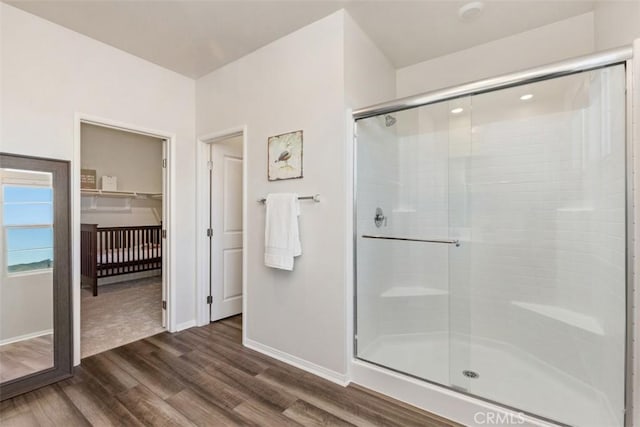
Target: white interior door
226	228
165	207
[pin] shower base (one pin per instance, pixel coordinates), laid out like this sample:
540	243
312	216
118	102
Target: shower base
506	375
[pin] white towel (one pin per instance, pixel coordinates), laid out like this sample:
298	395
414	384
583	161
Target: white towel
281	232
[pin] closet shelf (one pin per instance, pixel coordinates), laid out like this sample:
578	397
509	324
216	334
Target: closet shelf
119	193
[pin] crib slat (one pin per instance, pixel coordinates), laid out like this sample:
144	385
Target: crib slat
117	237
139	243
111	252
103	251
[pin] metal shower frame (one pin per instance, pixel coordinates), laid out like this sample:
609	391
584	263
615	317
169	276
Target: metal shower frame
619	56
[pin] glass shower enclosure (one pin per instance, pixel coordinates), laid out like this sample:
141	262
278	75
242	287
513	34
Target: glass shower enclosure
490	234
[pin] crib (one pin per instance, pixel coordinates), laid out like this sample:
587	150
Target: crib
113	251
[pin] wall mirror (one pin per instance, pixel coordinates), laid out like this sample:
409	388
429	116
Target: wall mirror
35	274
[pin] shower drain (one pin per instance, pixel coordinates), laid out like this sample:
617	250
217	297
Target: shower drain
470	374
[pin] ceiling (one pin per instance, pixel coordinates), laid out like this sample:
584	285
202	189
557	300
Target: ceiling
194	38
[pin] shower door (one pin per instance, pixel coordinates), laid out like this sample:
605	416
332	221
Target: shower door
490	245
405	295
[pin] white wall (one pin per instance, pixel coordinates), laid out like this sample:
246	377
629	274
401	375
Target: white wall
50	73
294	83
305	81
136	161
616	23
554	42
369	76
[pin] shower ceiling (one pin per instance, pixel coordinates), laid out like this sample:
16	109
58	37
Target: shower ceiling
196	37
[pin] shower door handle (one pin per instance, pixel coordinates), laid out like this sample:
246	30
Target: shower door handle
409	239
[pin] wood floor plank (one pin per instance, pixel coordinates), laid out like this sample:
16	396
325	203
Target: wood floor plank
264	415
242	382
391	403
202	412
97	411
52	407
169	343
340	410
8	409
150	409
222	351
162	383
339	400
310	415
198	381
234	321
108	373
96	403
203	376
221	330
23	419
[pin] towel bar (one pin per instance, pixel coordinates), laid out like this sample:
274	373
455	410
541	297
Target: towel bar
315	198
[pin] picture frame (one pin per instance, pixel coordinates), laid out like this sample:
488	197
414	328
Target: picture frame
284	156
88	179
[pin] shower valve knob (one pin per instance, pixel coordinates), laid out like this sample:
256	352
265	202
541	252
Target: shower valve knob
380	218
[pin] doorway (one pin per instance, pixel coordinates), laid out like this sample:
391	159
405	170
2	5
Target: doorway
225	226
123	230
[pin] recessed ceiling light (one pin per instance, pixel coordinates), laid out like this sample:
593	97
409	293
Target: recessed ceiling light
457	110
470	11
526	97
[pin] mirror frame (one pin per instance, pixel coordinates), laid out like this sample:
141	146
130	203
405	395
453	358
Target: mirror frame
62	284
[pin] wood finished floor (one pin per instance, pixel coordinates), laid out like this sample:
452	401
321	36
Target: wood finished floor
202	376
25	357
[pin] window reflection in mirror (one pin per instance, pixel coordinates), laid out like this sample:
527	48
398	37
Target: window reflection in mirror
26	263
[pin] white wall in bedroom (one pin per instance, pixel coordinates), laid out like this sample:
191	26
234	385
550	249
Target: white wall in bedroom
50	73
136	161
616	23
306	80
294	83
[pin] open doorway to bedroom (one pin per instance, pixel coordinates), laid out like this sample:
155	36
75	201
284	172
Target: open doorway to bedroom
122	244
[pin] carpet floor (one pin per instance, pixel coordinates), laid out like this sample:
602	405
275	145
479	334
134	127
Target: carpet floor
121	313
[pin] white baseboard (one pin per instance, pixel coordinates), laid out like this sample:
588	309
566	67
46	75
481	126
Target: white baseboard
26	337
185	325
305	365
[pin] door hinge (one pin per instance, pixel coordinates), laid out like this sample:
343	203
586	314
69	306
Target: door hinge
164	163
209	232
209	299
209	165
164	234
164	305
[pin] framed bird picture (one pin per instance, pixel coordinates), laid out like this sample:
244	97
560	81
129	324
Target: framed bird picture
285	156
